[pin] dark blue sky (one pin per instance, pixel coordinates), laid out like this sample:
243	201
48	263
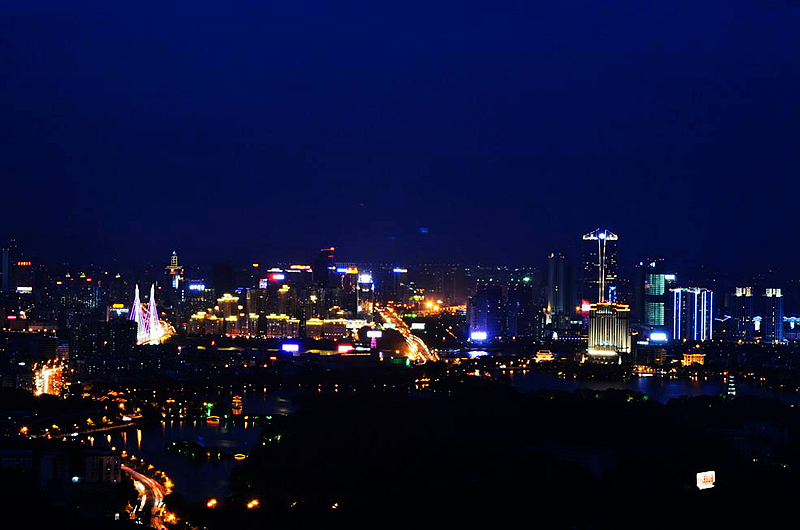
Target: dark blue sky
504	128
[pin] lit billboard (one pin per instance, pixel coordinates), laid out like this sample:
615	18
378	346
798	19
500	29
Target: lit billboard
478	335
706	480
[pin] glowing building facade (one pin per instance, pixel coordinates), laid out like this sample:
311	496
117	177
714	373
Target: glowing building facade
743	313
772	322
692	313
609	332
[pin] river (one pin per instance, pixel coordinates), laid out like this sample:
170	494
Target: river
661	389
202	479
199	479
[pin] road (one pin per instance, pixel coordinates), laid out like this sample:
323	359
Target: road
417	349
152	491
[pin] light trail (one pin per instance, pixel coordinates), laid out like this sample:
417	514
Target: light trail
417	349
154	491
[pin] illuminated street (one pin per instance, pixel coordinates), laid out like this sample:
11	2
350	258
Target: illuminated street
417	349
151	491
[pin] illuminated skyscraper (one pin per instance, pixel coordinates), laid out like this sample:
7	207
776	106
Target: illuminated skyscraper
772	322
609	332
692	313
652	293
743	313
365	294
174	271
600	266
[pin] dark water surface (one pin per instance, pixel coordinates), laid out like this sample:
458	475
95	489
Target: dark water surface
200	479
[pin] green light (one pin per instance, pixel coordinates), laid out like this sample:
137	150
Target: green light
526	279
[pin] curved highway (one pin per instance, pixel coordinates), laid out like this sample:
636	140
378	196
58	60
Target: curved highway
417	349
151	491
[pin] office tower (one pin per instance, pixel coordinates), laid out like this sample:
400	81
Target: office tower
256	305
560	292
557	285
446	282
391	284
485	312
22	281
172	294
365	294
772	322
743	313
520	310
692	313
323	268
609	332
195	297
8	255
174	271
228	305
653	284
600	266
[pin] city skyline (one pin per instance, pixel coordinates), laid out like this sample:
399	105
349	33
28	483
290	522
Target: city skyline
430	264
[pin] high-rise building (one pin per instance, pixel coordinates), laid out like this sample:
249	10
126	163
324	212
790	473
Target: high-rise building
485	312
520	311
600	266
323	268
772	321
742	303
652	298
365	293
174	271
692	313
6	265
609	332
561	299
391	284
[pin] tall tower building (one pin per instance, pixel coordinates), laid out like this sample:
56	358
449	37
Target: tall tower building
485	311
560	291
7	257
654	303
692	313
323	268
365	294
772	322
600	266
609	332
520	311
743	313
174	270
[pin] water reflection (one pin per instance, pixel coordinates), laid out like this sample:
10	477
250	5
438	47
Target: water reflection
661	389
202	478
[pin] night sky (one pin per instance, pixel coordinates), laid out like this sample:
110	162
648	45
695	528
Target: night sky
474	131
